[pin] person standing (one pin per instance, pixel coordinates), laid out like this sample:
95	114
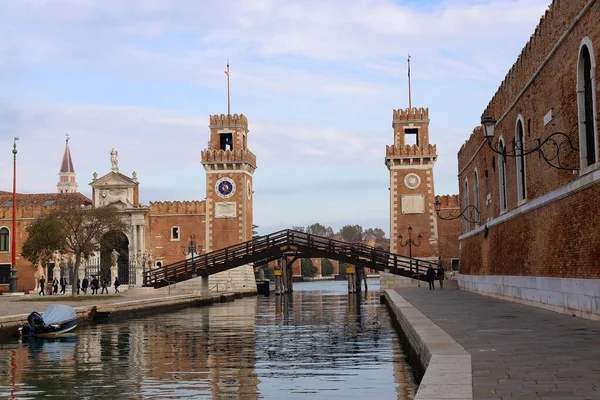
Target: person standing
55	286
95	285
441	275
117	284
78	285
104	285
84	285
42	287
63	284
431	277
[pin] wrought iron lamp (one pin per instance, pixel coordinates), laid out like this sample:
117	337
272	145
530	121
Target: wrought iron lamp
410	243
548	149
190	248
465	213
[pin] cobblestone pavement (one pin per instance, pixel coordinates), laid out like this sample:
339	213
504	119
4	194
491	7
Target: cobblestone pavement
517	350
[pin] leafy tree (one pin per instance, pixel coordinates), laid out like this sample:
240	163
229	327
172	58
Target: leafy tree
374	233
70	228
326	267
351	233
308	269
343	267
255	232
298	228
319	230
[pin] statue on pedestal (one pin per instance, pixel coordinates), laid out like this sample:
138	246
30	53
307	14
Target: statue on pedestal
114	264
114	160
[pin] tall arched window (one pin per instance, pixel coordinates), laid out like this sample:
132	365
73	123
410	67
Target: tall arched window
588	147
502	175
476	198
4	239
520	157
465	207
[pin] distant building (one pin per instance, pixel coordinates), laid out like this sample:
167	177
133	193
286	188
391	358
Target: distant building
537	239
66	176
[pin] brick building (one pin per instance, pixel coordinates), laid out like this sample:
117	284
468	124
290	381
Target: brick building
537	240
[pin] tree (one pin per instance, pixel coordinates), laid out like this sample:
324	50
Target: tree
308	269
326	267
298	228
319	230
255	232
351	233
70	228
374	233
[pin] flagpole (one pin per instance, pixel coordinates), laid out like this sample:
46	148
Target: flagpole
13	270
228	95
409	94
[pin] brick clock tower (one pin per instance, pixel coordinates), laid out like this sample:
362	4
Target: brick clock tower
229	169
410	161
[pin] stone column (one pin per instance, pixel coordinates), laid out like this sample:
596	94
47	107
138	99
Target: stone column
204	288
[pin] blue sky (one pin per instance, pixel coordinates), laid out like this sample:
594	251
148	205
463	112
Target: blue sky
317	79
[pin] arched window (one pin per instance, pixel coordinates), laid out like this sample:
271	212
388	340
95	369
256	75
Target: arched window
465	207
4	239
502	175
588	147
520	157
476	198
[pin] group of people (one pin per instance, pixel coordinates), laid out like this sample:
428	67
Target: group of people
435	274
94	284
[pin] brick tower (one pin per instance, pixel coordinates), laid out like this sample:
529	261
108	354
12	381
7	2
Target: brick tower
410	161
229	169
66	176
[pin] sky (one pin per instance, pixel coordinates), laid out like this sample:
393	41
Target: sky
317	80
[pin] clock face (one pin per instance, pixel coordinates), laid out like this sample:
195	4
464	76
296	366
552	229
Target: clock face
412	181
225	187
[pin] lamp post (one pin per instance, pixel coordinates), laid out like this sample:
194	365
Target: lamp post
190	248
553	144
13	269
410	243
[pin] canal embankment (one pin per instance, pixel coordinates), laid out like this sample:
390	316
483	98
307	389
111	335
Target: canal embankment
443	365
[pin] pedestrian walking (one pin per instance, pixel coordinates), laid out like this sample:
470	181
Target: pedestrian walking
95	285
441	275
42	287
117	284
84	285
78	285
55	286
63	284
431	277
104	285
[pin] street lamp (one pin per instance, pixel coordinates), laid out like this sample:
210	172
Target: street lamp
13	269
464	214
553	144
410	243
190	248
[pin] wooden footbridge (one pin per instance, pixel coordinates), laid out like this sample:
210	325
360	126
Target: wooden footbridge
291	245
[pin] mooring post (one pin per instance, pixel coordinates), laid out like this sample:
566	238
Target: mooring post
278	281
289	276
351	276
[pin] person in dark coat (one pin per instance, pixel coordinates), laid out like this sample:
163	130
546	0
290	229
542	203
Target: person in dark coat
42	287
95	285
55	286
78	285
441	275
104	285
117	284
63	284
84	285
431	277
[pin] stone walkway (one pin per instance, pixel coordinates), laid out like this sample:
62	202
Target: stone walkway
516	350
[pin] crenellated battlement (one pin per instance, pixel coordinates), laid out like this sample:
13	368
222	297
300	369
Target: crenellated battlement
410	150
178	207
448	201
228	120
411	114
470	146
551	27
228	156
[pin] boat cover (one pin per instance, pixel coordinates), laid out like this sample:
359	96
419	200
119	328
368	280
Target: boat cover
58	313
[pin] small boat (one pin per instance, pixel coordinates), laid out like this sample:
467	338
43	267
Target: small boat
57	320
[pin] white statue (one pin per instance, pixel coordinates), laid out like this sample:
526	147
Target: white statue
113	160
114	258
151	260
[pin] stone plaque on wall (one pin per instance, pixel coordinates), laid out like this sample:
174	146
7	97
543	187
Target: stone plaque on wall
413	204
225	209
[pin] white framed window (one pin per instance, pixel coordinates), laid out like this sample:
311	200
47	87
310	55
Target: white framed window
175	233
586	100
502	175
476	213
520	160
4	239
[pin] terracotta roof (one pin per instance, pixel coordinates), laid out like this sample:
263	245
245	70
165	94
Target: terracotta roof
67	162
40	199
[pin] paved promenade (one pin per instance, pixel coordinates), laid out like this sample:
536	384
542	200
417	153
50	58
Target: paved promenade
516	350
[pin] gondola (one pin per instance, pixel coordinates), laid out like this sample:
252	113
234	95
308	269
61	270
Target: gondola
57	320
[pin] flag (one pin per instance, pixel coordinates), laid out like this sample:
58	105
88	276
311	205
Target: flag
409	66
16	138
226	73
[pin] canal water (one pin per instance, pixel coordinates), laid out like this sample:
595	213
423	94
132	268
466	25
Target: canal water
317	343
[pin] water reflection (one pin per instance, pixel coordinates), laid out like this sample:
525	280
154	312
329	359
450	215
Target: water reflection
318	342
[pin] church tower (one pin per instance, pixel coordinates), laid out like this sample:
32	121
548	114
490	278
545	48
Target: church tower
410	161
229	166
66	176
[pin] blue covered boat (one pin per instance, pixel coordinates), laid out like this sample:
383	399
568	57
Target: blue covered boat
57	320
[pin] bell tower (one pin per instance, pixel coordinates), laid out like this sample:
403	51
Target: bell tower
229	166
410	161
